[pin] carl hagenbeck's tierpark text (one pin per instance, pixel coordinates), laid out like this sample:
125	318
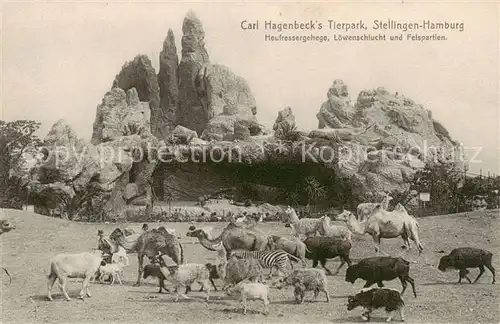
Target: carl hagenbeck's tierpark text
377	25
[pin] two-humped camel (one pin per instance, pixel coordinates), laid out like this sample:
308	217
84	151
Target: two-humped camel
304	226
233	237
385	224
149	244
365	209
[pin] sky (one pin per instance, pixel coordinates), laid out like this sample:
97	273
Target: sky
59	59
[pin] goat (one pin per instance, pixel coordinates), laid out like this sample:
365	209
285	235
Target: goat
378	269
467	257
114	270
252	291
120	256
82	265
373	298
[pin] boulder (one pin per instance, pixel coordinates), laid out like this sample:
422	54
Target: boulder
121	114
169	88
140	74
183	135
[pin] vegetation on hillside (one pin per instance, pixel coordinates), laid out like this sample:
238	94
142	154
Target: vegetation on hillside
17	139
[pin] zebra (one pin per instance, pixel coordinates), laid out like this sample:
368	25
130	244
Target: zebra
278	259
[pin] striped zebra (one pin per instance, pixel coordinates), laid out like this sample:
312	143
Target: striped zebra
278	259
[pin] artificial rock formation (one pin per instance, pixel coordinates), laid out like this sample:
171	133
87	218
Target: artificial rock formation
191	113
121	114
140	74
284	116
386	137
169	88
336	112
193	110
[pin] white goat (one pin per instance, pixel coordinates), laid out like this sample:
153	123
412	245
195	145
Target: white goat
365	209
305	226
82	265
120	256
186	274
335	231
114	270
251	291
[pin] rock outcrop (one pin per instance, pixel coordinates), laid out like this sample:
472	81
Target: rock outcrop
169	88
121	114
337	111
140	74
284	116
388	137
191	113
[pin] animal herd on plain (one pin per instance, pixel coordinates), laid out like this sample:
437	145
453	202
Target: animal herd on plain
243	251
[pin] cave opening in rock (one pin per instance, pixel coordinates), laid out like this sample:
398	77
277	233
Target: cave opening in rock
285	183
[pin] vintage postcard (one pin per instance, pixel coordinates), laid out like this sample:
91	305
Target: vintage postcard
249	161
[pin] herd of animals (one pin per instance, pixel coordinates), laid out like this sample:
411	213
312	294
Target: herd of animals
243	251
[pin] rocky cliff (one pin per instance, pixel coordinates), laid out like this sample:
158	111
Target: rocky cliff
196	121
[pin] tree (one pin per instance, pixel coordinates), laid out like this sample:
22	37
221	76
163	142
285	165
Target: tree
17	138
444	183
314	190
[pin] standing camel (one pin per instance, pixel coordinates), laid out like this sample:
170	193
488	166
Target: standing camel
149	244
384	224
233	237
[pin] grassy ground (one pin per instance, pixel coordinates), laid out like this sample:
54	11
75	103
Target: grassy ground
26	251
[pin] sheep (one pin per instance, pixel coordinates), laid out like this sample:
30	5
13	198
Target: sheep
335	231
82	265
299	292
309	279
373	298
184	275
153	270
378	269
320	248
467	257
292	246
252	291
114	270
235	270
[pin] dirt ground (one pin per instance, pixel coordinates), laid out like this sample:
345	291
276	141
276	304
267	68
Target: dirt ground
26	252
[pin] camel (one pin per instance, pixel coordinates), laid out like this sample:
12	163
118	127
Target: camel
385	224
364	209
149	244
232	237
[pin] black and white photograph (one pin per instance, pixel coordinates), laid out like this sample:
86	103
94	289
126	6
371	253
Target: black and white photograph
249	162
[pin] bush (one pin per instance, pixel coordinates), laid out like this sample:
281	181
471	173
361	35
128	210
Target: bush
287	132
